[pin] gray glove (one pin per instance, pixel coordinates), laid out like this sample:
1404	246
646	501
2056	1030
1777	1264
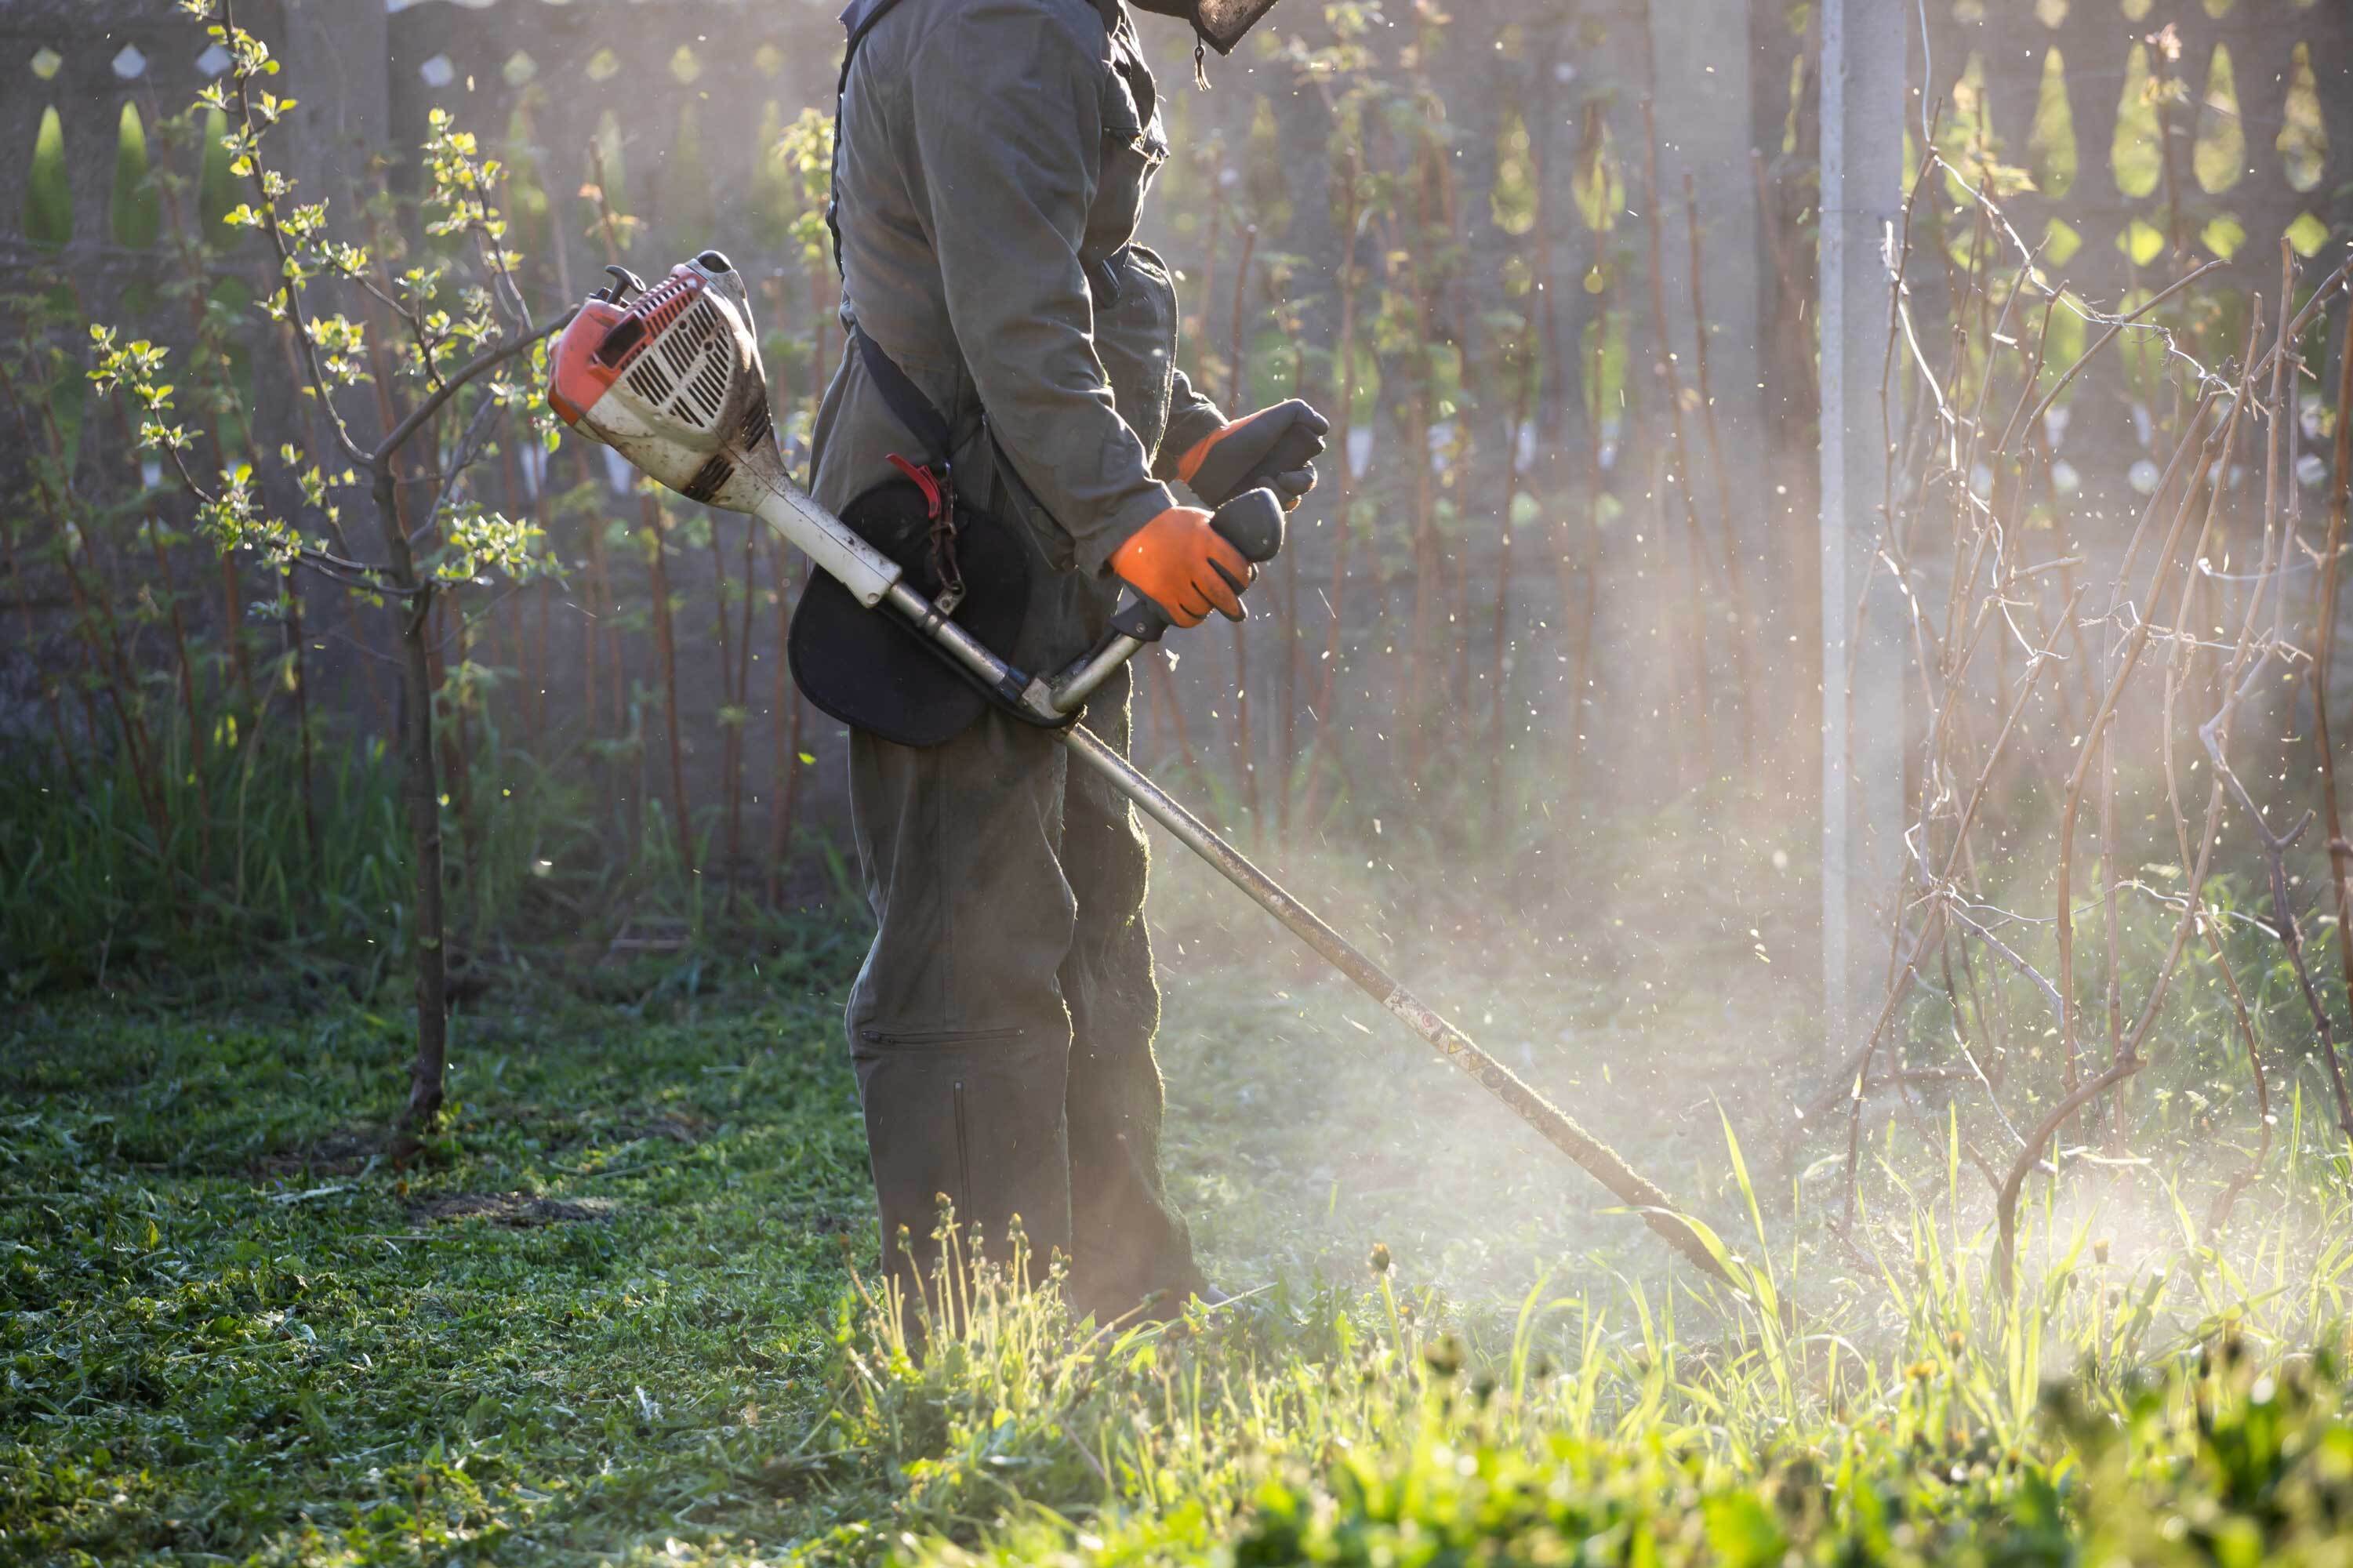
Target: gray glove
1275	448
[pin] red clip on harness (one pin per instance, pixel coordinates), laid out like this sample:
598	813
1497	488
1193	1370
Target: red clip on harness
939	505
934	497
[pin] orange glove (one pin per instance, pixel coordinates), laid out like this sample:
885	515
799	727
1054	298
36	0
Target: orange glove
1182	564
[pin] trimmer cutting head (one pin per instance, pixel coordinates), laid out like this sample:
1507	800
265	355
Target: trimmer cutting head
670	377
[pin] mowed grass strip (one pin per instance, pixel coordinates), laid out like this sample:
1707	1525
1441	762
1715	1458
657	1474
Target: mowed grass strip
596	1310
620	1311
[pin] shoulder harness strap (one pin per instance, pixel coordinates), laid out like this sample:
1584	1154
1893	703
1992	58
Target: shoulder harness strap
858	19
905	399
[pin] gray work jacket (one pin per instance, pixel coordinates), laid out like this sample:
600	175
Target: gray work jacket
993	157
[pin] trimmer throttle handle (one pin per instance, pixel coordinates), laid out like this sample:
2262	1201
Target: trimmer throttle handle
1251	523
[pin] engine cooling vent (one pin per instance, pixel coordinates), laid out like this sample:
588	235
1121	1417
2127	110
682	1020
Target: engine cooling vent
684	369
759	427
709	478
649	379
662	302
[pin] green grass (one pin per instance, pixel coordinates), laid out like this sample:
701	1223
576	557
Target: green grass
619	1311
230	1327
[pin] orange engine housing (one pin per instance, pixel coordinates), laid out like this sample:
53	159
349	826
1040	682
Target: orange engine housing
576	377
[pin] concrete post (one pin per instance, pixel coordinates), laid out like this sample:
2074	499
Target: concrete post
1863	106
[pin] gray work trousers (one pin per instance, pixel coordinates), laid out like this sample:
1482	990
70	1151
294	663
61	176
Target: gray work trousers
1002	1025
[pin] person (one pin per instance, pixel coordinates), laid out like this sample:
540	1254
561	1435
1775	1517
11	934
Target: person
991	159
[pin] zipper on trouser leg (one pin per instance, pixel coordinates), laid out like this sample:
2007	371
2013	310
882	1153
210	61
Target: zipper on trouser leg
938	1037
964	1160
961	1199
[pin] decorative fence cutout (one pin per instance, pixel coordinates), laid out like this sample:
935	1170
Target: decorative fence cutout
48	198
135	216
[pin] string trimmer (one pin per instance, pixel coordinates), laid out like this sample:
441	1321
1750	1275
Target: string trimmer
670	378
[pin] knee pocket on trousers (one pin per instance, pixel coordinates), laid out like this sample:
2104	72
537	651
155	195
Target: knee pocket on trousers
975	1116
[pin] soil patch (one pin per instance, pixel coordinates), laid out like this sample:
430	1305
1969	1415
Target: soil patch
668	1126
343	1153
826	1222
678	1127
518	1210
